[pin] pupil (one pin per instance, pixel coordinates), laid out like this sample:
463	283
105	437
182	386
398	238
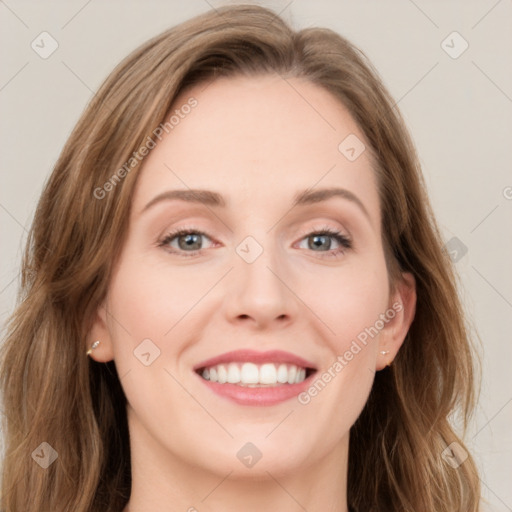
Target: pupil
318	242
190	241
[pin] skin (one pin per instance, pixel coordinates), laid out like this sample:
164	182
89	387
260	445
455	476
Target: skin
257	141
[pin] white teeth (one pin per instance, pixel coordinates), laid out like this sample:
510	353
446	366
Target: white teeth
282	374
233	373
250	374
292	373
268	374
222	374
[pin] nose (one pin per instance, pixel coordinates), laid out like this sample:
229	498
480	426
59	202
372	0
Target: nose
260	294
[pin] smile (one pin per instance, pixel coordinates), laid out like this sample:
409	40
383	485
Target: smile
253	375
255	378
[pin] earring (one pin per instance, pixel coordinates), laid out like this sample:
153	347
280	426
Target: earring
385	352
93	346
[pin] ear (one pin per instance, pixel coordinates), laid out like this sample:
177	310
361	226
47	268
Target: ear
403	303
99	331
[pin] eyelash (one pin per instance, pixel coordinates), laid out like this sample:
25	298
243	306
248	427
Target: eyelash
344	242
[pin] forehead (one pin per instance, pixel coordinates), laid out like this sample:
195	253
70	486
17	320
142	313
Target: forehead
259	139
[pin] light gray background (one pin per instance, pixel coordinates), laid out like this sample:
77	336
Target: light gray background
458	110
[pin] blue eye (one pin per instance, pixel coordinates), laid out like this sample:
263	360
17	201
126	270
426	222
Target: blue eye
323	240
189	242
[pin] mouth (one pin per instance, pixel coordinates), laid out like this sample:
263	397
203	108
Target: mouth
255	375
256	378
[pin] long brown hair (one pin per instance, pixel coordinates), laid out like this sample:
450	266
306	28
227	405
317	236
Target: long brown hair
53	393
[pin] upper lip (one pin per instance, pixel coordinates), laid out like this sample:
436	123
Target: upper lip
252	356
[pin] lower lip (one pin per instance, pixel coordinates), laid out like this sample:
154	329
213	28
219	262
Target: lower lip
263	396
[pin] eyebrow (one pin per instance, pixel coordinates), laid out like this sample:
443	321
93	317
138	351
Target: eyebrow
214	199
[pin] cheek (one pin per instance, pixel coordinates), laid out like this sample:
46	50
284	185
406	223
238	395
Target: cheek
351	306
349	301
148	300
147	305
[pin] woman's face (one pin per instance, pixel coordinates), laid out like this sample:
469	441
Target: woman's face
257	290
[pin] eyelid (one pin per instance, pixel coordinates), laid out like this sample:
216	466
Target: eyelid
343	238
175	233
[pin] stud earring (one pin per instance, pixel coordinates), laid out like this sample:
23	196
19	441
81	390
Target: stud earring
93	346
384	353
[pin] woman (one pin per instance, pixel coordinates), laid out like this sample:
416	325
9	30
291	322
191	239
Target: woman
238	237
